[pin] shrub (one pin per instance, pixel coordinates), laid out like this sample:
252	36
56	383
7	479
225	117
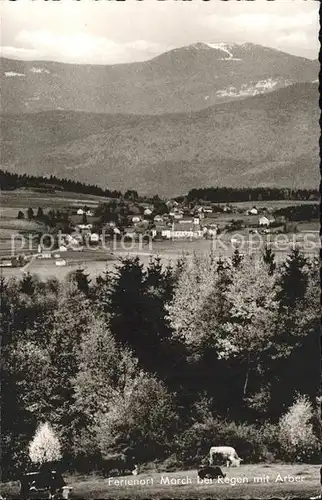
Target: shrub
252	443
172	463
296	435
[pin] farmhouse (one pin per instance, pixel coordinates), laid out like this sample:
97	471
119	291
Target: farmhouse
130	232
184	231
44	255
136	219
252	211
5	263
263	221
158	218
186	220
157	230
60	262
210	231
84	227
94	238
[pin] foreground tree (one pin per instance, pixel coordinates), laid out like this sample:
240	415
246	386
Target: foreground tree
45	446
142	421
296	432
251	327
194	284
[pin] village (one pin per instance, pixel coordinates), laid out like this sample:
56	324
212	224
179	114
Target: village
71	231
178	223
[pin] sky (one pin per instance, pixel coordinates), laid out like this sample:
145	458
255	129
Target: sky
111	32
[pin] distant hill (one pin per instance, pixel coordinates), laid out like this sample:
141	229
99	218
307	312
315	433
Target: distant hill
181	80
269	140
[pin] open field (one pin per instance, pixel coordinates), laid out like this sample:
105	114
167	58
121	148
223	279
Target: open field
271	204
96	261
248	482
21	199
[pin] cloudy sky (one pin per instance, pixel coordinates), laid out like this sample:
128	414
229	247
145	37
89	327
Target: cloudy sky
108	32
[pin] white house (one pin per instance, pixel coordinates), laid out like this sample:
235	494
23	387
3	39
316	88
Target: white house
158	218
44	255
60	262
62	248
5	263
83	227
80	211
263	221
211	231
186	231
157	230
136	219
94	238
186	220
147	211
166	233
252	211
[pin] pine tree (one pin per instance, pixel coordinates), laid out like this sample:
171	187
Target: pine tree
127	304
28	284
293	280
269	259
40	213
30	213
236	259
82	280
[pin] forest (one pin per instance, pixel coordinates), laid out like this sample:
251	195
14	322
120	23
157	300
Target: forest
229	194
11	181
162	359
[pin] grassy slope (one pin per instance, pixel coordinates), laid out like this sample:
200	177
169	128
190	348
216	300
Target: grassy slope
96	487
269	139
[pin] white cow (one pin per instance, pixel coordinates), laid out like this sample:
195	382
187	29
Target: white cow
228	453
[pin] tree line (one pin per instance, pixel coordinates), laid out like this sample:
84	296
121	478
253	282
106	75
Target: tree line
154	359
299	213
10	181
229	194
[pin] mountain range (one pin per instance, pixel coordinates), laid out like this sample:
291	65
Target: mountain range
269	140
197	116
181	80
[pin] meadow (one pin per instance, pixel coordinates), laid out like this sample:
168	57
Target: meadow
262	481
